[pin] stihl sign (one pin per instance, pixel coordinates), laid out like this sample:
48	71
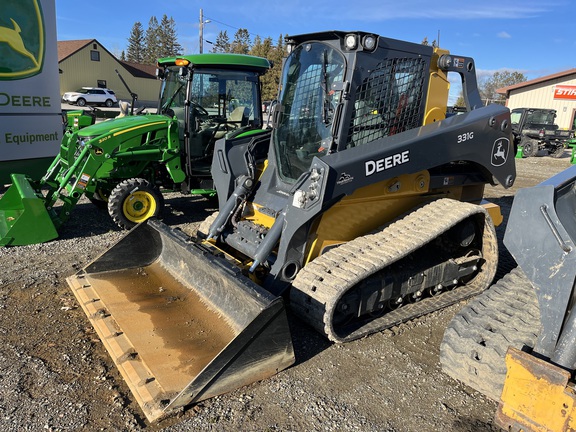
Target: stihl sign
565	92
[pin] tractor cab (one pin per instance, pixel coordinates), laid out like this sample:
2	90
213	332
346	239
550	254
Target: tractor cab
210	100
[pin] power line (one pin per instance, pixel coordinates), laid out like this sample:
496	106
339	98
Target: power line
231	26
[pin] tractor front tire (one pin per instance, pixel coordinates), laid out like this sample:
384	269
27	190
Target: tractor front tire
133	201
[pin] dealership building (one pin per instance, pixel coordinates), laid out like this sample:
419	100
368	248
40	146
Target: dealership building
556	91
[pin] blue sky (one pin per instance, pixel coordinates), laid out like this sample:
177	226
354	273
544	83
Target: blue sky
535	37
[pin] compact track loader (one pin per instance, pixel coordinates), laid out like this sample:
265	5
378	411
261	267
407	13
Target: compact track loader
123	164
363	209
516	342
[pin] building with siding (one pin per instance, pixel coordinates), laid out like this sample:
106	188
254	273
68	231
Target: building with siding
556	91
86	63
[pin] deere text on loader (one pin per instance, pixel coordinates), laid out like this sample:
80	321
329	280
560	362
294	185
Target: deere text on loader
363	209
123	164
516	342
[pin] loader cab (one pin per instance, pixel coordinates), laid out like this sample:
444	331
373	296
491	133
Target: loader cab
211	96
340	91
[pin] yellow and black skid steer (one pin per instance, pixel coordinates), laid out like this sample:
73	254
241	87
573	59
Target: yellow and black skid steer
363	208
516	342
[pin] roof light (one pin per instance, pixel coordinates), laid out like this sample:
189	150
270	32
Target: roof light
351	41
181	62
369	42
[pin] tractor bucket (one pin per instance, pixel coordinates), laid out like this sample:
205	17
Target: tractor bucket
24	219
181	324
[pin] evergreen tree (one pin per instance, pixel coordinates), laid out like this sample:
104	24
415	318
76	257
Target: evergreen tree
270	79
241	43
261	48
168	40
222	44
135	51
152	42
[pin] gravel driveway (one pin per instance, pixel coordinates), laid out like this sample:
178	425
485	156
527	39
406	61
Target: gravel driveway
56	376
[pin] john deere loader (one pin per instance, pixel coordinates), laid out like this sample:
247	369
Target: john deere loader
123	164
363	209
516	342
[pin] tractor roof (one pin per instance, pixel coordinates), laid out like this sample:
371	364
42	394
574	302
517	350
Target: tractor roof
221	60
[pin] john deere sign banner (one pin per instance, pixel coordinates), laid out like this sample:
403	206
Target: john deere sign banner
30	113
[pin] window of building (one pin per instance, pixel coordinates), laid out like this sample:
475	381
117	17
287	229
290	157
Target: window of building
94	55
102	83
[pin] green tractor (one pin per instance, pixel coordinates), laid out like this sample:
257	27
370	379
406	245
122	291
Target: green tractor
123	164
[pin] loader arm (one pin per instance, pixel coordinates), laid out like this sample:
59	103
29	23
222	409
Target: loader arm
539	391
88	158
526	362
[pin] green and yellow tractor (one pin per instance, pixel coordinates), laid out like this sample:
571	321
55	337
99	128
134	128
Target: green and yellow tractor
122	164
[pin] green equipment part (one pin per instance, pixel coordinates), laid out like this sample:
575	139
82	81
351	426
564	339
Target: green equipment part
23	217
124	164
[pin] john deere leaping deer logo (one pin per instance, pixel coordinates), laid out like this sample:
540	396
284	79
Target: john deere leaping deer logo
500	151
14	40
21	39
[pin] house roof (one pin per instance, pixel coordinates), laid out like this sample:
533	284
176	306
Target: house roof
140	70
68	48
506	90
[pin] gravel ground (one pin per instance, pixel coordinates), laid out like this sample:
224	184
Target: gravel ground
56	376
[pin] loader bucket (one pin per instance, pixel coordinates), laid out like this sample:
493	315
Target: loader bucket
181	324
24	219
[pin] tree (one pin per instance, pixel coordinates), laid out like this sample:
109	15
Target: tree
136	48
425	42
222	44
488	85
168	40
275	54
499	79
241	43
270	80
151	42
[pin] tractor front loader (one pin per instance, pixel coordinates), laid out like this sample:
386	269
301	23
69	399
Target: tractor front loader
363	209
516	343
124	163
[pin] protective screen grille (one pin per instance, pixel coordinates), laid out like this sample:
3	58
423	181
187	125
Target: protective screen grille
389	101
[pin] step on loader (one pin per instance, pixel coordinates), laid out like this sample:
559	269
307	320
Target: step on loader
363	209
123	164
516	342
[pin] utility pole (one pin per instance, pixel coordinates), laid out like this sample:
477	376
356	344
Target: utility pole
201	29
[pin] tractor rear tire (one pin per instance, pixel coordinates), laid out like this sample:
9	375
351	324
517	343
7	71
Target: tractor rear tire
529	147
133	201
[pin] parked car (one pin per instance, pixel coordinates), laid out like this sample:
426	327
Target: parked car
90	95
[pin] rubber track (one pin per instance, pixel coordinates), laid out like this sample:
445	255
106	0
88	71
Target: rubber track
476	340
321	283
